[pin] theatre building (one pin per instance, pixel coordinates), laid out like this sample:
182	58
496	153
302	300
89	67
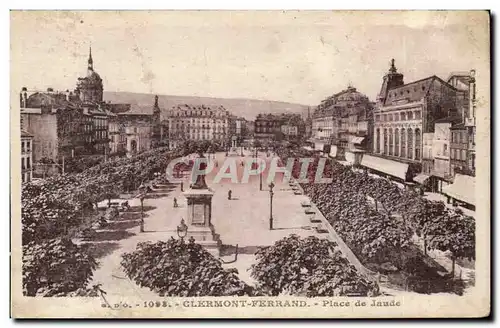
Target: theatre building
403	114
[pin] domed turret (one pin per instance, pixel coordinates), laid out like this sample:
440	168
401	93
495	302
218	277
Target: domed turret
90	88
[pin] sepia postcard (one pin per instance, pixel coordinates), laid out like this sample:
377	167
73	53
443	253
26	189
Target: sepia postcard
250	164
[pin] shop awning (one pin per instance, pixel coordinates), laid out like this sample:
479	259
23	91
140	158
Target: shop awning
421	178
463	188
387	166
333	151
358	140
319	145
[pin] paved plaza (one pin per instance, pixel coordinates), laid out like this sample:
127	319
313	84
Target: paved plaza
242	221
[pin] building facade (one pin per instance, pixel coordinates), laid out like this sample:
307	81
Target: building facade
189	122
344	121
405	112
26	156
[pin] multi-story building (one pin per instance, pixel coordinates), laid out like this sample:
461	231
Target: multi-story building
404	112
344	121
276	127
237	130
441	174
26	156
459	149
267	126
290	130
66	123
189	122
427	154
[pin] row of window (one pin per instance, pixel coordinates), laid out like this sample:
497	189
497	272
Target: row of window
393	139
459	154
25	147
26	177
401	116
459	136
199	113
101	134
99	122
405	91
25	163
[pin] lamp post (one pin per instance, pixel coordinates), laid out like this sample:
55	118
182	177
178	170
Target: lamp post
182	230
271	194
142	195
260	181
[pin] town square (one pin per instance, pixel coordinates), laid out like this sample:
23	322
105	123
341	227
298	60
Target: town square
359	181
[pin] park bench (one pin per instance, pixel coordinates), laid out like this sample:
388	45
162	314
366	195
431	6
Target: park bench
314	219
305	204
309	211
321	229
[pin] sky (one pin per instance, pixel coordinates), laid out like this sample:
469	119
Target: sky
298	57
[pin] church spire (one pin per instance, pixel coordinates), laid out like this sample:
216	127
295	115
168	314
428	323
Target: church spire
90	61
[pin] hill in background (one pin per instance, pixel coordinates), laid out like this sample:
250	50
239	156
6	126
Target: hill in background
247	108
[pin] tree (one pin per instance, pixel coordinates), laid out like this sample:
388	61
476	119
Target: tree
455	233
56	267
308	267
177	268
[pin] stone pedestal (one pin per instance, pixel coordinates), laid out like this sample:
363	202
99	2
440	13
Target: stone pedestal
199	216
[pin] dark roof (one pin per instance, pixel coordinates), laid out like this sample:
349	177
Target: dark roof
450	119
414	91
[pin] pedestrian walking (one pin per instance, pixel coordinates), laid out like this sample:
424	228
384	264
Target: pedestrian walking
182	186
229	193
175	203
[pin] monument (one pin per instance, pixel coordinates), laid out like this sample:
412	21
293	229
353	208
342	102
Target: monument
233	150
199	210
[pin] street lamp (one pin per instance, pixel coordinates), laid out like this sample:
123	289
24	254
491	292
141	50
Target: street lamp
182	230
271	194
142	196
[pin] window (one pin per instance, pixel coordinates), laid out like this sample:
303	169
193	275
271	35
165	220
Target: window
403	116
445	150
378	141
22	147
418	115
28	146
28	164
417	144
410	115
463	155
396	142
385	141
452	154
22	163
396	117
410	144
391	142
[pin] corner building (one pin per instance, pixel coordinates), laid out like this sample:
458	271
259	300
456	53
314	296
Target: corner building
404	112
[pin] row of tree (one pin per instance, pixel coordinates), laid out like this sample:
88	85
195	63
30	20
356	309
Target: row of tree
377	219
55	207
